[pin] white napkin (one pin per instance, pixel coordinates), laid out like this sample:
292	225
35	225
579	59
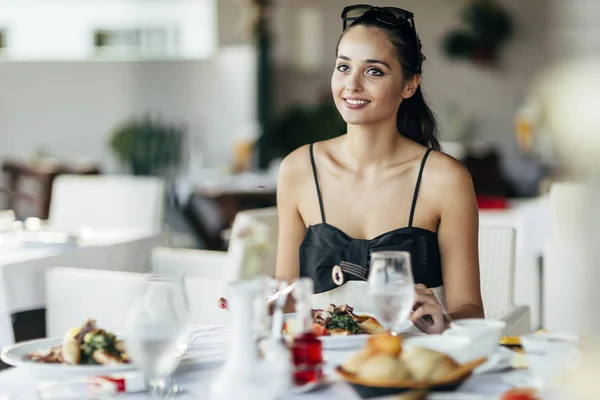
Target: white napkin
207	344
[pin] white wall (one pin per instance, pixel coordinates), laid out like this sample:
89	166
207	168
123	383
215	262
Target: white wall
69	108
63	29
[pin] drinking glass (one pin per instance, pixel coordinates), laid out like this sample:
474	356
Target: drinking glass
391	287
156	331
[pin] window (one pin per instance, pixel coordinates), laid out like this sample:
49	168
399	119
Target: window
42	30
136	42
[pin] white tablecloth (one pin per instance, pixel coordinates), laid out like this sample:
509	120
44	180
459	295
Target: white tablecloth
196	380
18	385
23	267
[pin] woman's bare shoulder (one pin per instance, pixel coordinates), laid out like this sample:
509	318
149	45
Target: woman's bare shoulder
298	163
446	173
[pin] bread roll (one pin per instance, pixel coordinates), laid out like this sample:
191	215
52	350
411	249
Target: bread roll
355	361
385	343
427	365
383	368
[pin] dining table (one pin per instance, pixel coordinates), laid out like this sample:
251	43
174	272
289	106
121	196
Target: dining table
198	371
24	261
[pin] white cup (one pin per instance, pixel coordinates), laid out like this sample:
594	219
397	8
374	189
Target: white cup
484	334
456	347
550	354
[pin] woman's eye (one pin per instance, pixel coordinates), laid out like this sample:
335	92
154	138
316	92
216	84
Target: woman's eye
374	72
343	68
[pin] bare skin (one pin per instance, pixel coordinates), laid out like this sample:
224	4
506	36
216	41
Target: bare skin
367	180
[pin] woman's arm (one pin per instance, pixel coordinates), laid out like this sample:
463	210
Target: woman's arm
458	240
291	226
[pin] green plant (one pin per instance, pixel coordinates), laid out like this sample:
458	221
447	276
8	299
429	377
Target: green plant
148	145
488	26
298	126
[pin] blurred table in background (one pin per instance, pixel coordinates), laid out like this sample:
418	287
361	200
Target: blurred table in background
23	266
42	173
212	201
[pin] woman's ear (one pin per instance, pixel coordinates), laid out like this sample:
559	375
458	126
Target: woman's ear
411	86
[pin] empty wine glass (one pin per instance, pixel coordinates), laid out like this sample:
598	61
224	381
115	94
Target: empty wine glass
156	330
391	287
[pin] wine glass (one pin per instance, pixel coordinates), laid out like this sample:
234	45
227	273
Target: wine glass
156	330
391	287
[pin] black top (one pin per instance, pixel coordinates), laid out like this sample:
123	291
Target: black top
324	247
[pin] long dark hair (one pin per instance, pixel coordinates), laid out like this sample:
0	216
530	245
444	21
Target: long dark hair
415	119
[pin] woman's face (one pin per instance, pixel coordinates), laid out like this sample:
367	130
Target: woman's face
367	82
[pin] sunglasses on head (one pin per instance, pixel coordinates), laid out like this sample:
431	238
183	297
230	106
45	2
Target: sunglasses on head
392	16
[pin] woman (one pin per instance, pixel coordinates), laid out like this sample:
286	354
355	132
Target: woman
340	199
381	185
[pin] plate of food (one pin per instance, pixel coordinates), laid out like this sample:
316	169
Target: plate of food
384	368
83	351
340	327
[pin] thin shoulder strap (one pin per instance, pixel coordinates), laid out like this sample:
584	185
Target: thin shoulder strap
314	167
414	202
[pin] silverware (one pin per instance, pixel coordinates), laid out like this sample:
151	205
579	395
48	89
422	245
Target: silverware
277	321
282	292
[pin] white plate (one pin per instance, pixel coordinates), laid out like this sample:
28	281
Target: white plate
350	341
355	341
498	361
17	357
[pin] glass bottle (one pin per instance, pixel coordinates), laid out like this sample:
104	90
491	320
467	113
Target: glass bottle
307	351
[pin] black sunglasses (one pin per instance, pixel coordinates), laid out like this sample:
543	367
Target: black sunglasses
393	16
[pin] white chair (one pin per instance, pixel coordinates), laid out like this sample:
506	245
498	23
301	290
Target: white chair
179	263
202	294
107	201
220	264
497	266
7	219
571	273
74	295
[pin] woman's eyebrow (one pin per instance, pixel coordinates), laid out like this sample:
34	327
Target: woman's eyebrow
368	61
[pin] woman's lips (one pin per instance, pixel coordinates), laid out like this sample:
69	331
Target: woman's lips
356	103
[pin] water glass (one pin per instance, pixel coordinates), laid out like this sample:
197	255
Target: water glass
156	331
391	287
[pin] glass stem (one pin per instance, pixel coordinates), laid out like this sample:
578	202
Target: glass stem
156	386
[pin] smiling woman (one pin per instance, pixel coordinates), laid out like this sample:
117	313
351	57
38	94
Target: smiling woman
382	185
400	47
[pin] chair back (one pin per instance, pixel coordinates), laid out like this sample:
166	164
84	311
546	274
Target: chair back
73	295
497	268
107	201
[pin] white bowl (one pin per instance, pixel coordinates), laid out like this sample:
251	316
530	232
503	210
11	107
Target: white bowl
17	357
456	347
485	334
550	354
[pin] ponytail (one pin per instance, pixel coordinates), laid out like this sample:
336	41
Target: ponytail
417	122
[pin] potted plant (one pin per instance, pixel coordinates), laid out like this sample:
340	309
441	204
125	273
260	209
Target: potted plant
298	126
148	146
487	27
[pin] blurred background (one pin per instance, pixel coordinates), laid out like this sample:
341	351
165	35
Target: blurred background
211	94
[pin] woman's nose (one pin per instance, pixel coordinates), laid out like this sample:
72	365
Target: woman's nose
353	83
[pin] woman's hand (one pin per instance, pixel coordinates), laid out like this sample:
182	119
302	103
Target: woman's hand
426	304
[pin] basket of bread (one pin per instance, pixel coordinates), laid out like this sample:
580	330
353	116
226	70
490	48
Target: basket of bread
384	368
